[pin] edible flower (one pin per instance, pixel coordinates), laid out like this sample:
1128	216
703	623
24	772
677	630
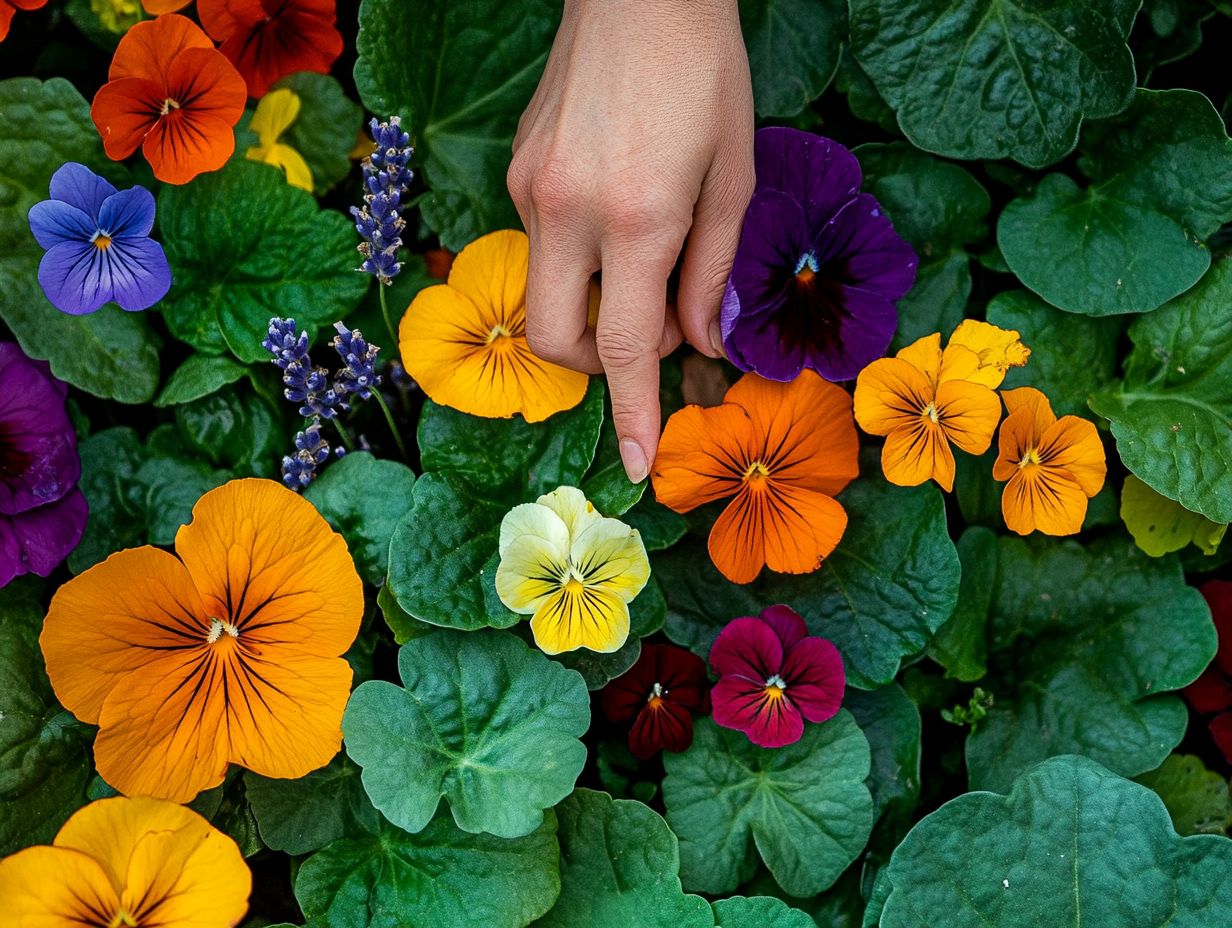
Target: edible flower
660	693
1211	693
275	114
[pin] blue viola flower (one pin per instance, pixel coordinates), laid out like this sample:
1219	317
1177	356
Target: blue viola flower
98	244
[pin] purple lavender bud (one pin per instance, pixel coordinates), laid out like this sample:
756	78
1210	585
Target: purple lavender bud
386	178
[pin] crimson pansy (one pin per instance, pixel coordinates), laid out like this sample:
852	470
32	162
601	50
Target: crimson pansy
1211	693
660	693
819	266
773	675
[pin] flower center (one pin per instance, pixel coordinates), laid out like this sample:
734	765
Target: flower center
169	105
806	268
655	699
122	920
930	412
775	685
573	587
1030	457
756	472
101	240
498	332
217	628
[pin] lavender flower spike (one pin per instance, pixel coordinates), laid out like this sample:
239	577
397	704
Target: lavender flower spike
311	451
386	179
358	376
307	385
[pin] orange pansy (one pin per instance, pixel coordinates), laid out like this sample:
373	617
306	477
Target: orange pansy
464	341
1053	465
158	7
230	653
9	7
784	451
173	95
128	862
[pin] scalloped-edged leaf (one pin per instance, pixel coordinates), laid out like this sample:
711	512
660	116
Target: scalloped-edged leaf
758	912
1197	799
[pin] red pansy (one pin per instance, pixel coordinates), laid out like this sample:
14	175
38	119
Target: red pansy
659	692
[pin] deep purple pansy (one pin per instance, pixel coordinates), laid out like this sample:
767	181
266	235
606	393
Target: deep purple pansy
98	244
819	266
773	676
42	513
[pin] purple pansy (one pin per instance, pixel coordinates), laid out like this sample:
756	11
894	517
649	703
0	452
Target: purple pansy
42	513
98	244
819	266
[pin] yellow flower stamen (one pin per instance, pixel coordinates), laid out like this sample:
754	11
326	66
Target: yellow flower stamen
655	699
775	687
930	412
1030	457
217	627
122	920
498	332
757	472
102	242
169	105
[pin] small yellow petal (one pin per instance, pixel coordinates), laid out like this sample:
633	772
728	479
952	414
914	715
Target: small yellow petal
293	165
530	571
611	557
276	113
997	349
537	521
571	505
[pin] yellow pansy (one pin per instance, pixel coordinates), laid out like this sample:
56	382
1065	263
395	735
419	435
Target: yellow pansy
574	571
997	349
275	114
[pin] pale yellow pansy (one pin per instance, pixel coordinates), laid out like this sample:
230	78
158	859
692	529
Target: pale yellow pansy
275	114
572	570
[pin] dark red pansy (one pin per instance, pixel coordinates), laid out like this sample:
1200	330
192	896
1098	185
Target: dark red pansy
1211	693
773	676
660	693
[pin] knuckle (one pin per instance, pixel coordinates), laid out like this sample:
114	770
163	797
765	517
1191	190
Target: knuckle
619	348
555	187
636	213
518	178
546	343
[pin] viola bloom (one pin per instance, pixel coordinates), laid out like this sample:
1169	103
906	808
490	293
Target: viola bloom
173	95
573	571
275	114
819	266
228	653
464	341
660	694
98	244
1211	693
784	451
42	512
128	863
925	399
9	7
773	676
1053	465
268	39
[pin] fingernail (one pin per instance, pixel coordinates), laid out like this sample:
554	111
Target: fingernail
716	338
634	459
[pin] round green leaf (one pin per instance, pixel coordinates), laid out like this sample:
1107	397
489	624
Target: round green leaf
805	807
1071	846
758	912
619	866
245	245
997	79
441	877
1197	798
199	375
483	721
793	49
1160	184
326	129
960	645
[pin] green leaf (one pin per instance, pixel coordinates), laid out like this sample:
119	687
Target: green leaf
441	877
961	644
804	807
619	865
1197	798
793	50
1084	642
891	723
862	97
483	721
1160	184
659	527
404	626
245	245
44	753
758	912
199	375
997	79
1172	414
606	484
1071	845
302	816
326	129
1161	525
879	597
459	74
364	498
236	429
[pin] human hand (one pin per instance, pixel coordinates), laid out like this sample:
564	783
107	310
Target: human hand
639	135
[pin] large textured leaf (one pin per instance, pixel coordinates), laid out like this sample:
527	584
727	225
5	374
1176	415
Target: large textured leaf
441	877
996	78
1135	236
1084	643
302	816
1071	846
619	866
483	721
758	912
1161	525
459	74
794	50
803	809
891	723
1172	414
245	245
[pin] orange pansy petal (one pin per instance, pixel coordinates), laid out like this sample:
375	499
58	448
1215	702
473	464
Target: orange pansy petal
917	453
1016	436
491	272
1073	444
924	354
109	830
702	456
124	111
890	394
1043	498
158	7
737	540
802	528
1035	402
968	414
149	47
54	887
183	145
129	613
202	81
958	363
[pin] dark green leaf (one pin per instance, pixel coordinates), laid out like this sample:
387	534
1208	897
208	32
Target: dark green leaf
960	645
236	429
659	527
302	816
1197	798
891	723
200	375
606	484
793	50
862	97
758	912
326	129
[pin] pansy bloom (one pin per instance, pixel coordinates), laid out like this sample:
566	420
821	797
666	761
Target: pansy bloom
275	114
1053	465
660	694
173	95
228	653
9	7
773	676
819	266
268	39
128	863
573	571
924	399
98	244
1211	693
784	451
42	512
464	341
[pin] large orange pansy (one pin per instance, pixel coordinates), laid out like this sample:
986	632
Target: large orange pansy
783	450
173	95
230	653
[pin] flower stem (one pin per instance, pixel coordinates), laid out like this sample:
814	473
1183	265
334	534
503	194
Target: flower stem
347	441
389	418
393	332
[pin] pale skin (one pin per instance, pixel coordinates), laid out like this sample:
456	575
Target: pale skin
636	147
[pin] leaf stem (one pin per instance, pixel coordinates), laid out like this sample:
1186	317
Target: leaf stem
393	332
389	418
